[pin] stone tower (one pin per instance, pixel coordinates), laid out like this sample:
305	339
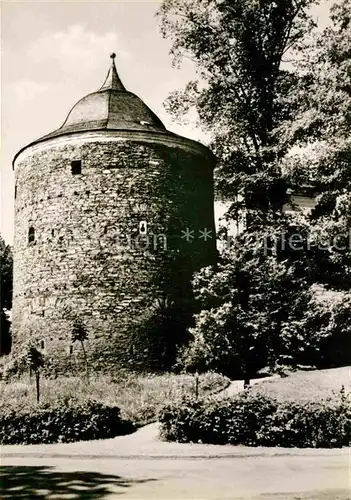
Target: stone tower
113	214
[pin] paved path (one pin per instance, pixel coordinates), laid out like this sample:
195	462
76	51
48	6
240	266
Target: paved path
316	476
238	385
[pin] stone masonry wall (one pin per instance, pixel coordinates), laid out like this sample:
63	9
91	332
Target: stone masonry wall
88	258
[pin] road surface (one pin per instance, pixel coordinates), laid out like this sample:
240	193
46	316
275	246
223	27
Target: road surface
139	466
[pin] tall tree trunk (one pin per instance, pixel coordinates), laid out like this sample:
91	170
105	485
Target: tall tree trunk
246	381
37	383
85	361
196	385
246	375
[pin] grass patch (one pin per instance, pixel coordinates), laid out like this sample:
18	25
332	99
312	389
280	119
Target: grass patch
307	386
140	397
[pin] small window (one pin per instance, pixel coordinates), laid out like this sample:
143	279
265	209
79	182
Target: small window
42	344
15	191
71	349
52	232
31	235
142	227
76	167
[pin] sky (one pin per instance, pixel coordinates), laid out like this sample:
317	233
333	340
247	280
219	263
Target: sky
54	53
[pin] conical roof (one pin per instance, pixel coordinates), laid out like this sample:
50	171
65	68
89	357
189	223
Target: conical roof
112	107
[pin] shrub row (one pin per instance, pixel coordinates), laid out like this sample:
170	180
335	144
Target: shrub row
256	420
62	422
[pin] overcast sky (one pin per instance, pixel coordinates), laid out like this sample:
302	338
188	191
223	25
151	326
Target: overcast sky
55	53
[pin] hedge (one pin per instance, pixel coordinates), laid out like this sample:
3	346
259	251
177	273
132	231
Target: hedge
257	420
62	422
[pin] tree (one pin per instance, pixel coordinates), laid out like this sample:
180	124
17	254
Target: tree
6	265
324	332
256	109
35	362
5	328
80	334
243	95
154	340
321	129
246	301
335	338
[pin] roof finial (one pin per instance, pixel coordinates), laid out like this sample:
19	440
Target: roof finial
112	81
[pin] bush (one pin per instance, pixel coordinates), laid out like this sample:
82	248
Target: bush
257	420
12	367
62	422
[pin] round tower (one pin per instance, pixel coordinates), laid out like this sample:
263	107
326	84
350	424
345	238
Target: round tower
113	214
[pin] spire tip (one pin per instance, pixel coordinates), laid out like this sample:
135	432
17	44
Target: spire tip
112	80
